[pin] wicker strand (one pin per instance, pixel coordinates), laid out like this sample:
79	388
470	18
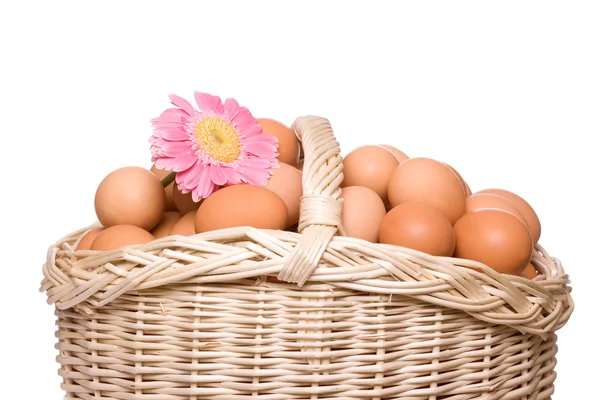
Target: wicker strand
321	205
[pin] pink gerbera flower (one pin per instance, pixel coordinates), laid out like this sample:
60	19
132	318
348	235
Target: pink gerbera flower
222	144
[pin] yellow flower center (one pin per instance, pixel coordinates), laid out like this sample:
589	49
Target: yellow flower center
218	139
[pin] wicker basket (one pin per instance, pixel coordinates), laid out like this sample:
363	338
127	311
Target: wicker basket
196	317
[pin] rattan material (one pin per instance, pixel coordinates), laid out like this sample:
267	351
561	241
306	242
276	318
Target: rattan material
196	318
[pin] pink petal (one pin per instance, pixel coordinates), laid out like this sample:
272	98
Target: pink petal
261	149
179	177
208	103
181	188
159	124
257	176
250	131
172	115
183	104
176	149
265	137
205	185
178	164
258	162
231	108
190	178
171	119
244	119
173	134
157	142
184	161
156	153
197	197
233	177
164	163
217	175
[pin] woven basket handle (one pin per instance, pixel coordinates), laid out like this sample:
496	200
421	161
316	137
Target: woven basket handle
321	204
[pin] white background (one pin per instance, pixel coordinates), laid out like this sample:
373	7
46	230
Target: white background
506	92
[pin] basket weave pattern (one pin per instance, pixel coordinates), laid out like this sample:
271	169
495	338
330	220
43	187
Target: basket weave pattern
196	318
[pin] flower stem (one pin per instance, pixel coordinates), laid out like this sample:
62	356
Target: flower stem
168	179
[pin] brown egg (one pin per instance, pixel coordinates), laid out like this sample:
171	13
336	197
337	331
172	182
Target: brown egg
427	181
242	205
88	238
400	155
165	225
528	212
121	235
495	238
466	188
420	227
161	173
370	166
286	182
362	212
530	272
289	147
185	226
184	203
487	200
130	196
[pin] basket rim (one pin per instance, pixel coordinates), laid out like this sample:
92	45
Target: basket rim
537	306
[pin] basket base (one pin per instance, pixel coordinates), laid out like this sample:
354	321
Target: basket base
276	342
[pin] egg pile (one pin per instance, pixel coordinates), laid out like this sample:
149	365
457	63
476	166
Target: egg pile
426	205
388	197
